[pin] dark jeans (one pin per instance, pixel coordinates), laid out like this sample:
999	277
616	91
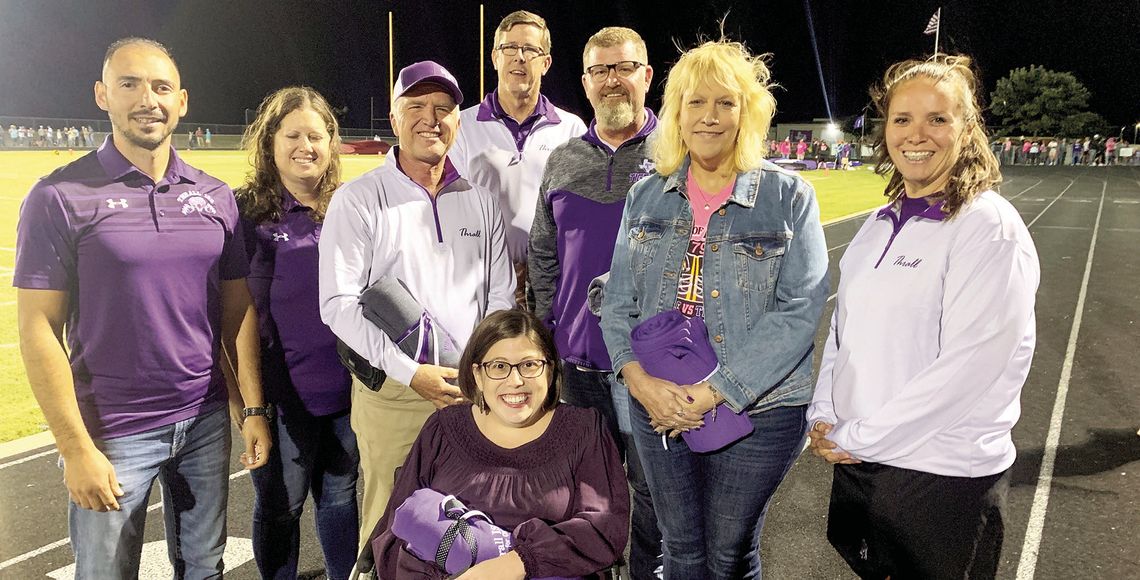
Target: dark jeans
596	391
711	506
890	521
317	453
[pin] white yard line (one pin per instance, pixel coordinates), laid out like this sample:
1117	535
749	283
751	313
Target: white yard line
1030	549
1071	182
28	458
58	543
1026	189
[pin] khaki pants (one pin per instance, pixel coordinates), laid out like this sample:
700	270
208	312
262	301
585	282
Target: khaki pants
386	423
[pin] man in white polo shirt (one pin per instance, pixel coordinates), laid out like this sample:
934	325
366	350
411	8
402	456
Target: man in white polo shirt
415	219
507	137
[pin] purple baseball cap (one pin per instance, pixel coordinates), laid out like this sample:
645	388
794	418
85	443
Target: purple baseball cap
426	71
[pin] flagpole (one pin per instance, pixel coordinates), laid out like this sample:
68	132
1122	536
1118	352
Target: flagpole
481	51
937	30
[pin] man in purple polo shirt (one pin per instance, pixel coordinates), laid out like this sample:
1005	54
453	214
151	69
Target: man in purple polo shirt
138	257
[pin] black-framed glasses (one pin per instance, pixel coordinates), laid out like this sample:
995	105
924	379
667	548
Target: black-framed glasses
501	369
624	69
528	51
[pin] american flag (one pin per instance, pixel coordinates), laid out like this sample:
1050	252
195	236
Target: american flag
932	26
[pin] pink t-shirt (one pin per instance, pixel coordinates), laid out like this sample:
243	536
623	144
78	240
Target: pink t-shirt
690	289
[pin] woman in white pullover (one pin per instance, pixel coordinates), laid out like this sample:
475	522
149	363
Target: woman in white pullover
930	343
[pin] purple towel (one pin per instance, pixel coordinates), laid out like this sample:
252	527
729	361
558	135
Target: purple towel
427	516
428	519
675	348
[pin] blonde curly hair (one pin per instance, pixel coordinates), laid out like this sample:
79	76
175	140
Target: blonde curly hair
730	65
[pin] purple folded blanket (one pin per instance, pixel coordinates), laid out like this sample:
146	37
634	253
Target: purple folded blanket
675	348
439	528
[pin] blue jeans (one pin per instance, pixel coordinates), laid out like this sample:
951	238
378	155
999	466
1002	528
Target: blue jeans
597	390
711	506
191	458
317	453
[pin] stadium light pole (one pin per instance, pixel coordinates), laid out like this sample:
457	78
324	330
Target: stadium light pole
1134	129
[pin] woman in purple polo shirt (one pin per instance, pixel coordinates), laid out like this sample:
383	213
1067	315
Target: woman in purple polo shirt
547	473
293	148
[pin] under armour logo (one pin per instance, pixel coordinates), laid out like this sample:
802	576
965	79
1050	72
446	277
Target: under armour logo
280	237
647	165
112	204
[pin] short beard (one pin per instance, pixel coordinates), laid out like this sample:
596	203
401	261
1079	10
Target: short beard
146	141
615	117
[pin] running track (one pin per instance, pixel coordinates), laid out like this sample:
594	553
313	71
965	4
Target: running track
1073	510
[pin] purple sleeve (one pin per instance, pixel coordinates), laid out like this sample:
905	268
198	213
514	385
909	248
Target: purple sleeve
595	534
261	262
393	560
234	263
45	242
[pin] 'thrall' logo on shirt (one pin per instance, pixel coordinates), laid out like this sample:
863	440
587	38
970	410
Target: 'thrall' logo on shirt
902	261
646	166
194	201
470	234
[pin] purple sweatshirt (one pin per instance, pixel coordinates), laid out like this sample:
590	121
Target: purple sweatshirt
572	239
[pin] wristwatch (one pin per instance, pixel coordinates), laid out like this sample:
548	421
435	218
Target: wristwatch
266	411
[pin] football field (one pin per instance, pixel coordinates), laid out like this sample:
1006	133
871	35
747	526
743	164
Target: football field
840	194
1073	507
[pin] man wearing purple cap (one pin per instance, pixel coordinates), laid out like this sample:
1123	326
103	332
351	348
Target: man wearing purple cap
507	138
414	219
138	257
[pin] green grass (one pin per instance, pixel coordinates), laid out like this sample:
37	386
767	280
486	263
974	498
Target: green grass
840	194
19	170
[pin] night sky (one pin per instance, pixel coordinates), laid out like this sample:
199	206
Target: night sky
231	53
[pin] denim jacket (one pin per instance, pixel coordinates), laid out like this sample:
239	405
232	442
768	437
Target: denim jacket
765	280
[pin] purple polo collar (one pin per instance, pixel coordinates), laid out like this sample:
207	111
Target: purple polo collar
450	174
490	109
591	135
117	166
909	206
289	202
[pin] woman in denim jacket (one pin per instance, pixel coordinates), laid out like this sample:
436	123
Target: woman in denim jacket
721	234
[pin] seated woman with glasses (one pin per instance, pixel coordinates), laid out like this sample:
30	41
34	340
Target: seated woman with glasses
547	473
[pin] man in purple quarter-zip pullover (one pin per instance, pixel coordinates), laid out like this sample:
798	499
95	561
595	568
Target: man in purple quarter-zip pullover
415	219
135	259
579	209
507	138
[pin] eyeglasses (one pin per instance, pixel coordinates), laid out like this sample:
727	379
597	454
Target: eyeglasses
624	69
528	369
529	52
